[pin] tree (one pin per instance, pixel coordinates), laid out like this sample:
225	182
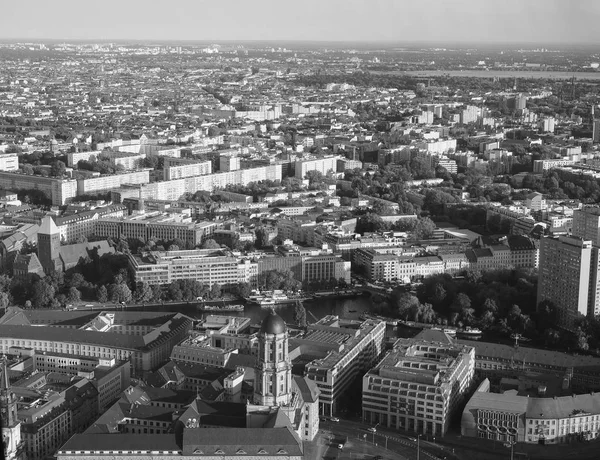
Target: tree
143	292
424	229
102	294
210	244
58	169
4	300
42	294
406	304
74	295
300	314
461	302
157	293
120	293
243	290
215	291
28	169
262	238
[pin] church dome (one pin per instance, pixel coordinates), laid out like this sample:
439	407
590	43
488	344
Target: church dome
273	324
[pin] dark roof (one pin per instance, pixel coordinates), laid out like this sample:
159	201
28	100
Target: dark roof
531	355
273	324
307	388
521	242
96	442
252	441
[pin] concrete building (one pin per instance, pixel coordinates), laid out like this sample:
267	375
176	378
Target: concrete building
177	168
564	276
144	339
345	348
418	385
58	191
322	165
586	224
103	184
208	266
13	445
9	162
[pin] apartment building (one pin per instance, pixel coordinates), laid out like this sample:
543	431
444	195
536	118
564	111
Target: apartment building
345	348
418	385
59	191
566	275
322	165
102	184
378	267
9	162
204	265
177	168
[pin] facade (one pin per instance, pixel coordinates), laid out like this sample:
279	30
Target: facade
177	168
418	385
512	417
83	224
564	276
103	184
322	165
144	339
346	349
9	162
59	191
165	227
51	411
378	267
204	265
586	224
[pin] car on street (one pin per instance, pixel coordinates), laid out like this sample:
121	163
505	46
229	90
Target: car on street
372	429
412	439
334	419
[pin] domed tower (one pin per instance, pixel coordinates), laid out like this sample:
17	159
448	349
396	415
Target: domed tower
273	384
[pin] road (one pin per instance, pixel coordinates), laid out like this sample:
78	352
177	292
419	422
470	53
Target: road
394	443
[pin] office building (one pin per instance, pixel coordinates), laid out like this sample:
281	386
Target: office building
418	385
344	349
142	338
565	273
533	420
51	409
76	227
165	227
208	266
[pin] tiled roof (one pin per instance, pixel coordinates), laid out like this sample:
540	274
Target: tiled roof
248	442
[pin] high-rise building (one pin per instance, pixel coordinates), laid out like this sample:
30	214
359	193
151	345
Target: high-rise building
565	275
596	130
586	224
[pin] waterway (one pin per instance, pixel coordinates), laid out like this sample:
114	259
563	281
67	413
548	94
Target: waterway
474	73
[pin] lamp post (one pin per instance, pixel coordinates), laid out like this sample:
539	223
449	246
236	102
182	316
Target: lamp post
511	445
418	447
374	430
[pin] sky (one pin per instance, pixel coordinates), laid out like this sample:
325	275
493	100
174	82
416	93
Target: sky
402	21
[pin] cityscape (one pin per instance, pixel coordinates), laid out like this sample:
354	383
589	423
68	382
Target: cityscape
287	246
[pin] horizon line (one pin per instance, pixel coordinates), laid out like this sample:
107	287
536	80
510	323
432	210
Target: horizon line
441	43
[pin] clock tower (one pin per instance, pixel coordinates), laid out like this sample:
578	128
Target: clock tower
11	427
